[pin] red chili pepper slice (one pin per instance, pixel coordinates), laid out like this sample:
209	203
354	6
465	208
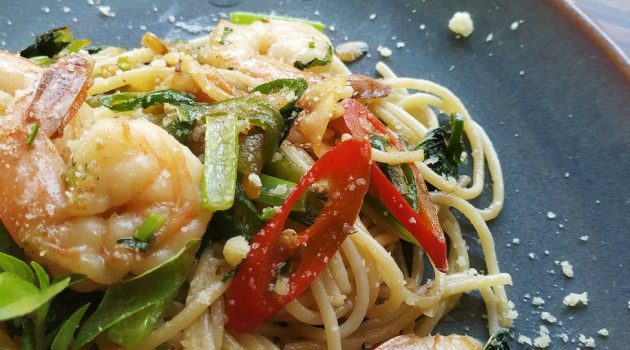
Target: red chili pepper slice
424	224
250	299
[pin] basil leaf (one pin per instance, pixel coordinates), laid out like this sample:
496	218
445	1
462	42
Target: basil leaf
315	61
19	297
130	297
49	43
128	101
64	335
443	147
16	266
136	328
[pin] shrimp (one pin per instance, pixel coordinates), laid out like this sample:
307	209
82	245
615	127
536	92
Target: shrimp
432	342
267	50
71	195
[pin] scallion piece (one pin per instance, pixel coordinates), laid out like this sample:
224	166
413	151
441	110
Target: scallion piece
249	18
149	227
274	192
220	162
32	133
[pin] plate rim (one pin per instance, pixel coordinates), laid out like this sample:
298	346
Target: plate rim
596	34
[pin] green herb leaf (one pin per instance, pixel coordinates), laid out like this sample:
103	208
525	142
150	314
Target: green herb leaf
19	297
32	133
64	335
136	328
49	44
127	298
499	340
249	18
315	61
128	101
42	276
443	147
16	266
149	227
43	61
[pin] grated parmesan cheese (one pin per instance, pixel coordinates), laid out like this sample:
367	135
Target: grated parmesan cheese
522	339
573	299
106	11
543	340
461	24
546	316
384	51
587	342
538	301
603	332
567	268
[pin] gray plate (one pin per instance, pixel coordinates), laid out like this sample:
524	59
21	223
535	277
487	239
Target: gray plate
552	95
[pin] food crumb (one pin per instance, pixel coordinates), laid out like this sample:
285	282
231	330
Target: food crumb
384	51
514	25
489	37
566	175
573	299
531	256
537	301
551	215
587	342
372	16
423	26
567	268
66	9
106	11
584	238
516	240
400	44
543	340
331	28
603	332
522	339
171	18
546	316
461	24
521	72
564	337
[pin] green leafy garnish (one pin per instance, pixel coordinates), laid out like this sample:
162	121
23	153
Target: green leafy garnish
128	101
49	44
17	267
249	18
134	329
32	133
315	61
145	233
311	44
443	146
498	340
123	300
149	227
66	332
18	297
43	61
